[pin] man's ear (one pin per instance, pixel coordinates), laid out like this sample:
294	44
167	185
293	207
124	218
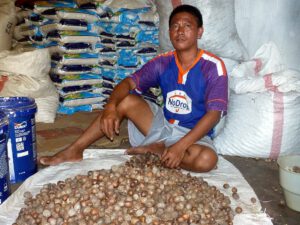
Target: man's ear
200	32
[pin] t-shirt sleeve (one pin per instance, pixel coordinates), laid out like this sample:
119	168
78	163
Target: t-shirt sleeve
217	88
147	76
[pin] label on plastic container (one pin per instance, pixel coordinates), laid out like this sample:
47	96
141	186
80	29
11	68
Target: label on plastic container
21	148
4	175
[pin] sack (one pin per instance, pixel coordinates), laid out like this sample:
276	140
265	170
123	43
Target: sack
264	107
7	23
263	125
259	22
31	63
264	72
27	74
220	35
42	90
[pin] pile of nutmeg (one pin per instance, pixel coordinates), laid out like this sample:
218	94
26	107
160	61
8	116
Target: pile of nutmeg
141	191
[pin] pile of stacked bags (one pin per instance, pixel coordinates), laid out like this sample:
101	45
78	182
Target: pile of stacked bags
93	46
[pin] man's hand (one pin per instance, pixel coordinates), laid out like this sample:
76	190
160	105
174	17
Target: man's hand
110	122
172	156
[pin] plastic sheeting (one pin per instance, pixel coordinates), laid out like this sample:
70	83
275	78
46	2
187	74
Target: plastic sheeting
103	159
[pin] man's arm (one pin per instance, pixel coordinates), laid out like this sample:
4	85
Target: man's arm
173	155
110	121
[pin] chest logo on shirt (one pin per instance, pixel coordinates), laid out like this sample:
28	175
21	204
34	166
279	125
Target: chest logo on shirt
178	102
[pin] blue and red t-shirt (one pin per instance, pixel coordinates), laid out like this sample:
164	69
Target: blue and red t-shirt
188	94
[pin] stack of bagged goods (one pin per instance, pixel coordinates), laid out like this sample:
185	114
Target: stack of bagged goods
93	45
25	73
264	108
128	40
69	34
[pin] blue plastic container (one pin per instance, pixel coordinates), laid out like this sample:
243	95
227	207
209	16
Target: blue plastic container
21	144
4	174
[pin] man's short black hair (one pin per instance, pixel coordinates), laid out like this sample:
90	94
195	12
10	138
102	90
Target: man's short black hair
189	9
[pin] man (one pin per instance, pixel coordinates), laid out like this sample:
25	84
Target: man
194	87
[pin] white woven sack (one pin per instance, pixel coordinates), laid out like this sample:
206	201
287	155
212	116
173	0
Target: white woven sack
7	23
28	75
47	108
284	81
19	85
220	35
267	59
31	63
261	125
263	72
42	90
230	64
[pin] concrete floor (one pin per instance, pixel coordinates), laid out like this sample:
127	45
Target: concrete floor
261	174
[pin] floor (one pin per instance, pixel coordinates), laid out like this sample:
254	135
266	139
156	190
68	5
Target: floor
261	174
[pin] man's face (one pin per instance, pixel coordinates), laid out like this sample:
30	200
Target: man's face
184	31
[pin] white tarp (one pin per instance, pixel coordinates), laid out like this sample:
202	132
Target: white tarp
103	159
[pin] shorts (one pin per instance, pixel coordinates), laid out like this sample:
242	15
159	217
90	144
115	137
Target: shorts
162	130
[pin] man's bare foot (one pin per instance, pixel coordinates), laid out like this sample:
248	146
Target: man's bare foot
67	155
155	148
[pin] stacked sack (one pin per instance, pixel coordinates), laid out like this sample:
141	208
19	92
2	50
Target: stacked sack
93	46
69	34
264	108
129	39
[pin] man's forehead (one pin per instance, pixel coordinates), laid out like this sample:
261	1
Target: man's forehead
185	16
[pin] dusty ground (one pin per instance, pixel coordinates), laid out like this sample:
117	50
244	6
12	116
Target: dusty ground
261	174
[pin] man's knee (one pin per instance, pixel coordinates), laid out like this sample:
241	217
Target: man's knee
128	103
206	160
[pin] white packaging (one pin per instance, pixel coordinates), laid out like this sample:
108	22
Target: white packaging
83	98
220	35
77	14
74	37
116	5
45	29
